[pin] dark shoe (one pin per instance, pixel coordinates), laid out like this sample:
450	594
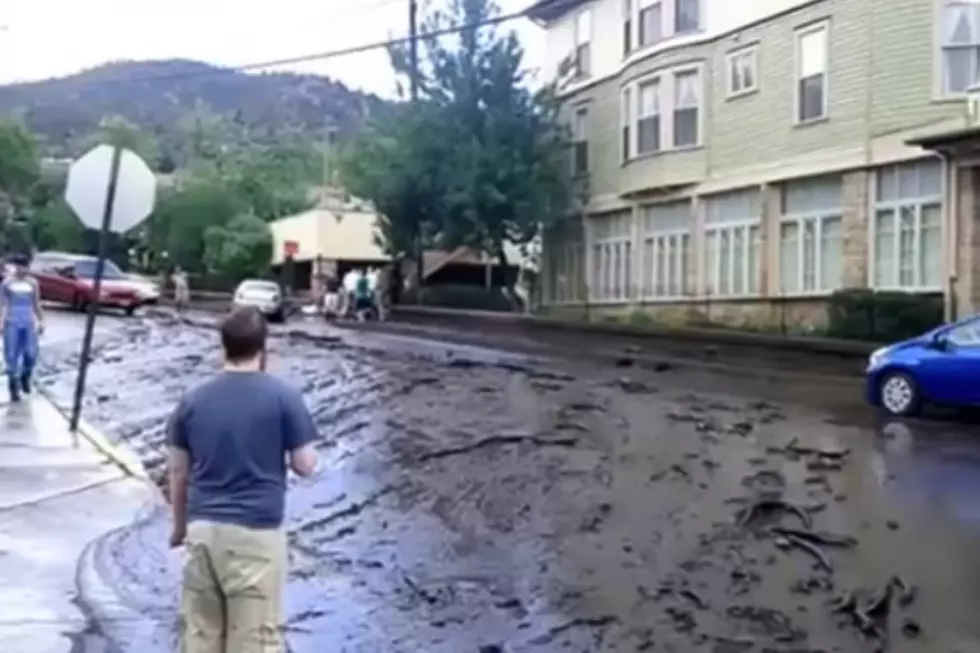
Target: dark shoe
14	391
25	384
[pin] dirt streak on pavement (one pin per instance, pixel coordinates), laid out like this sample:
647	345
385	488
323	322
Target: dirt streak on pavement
478	501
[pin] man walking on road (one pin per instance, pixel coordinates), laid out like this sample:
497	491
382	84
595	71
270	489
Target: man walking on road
182	289
22	321
231	440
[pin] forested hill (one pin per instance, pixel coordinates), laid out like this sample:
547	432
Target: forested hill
158	95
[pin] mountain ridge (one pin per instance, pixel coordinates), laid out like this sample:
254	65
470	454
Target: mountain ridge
156	95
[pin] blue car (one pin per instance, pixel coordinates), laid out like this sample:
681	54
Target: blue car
940	367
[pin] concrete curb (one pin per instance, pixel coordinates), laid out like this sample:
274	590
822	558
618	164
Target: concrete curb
855	348
119	455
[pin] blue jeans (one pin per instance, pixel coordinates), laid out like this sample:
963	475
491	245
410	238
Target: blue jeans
19	350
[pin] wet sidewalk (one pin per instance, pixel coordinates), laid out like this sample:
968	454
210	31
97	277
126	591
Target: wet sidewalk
55	498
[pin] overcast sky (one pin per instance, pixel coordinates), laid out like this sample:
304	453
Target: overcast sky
45	38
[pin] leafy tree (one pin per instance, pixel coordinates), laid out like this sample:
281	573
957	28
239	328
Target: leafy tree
183	216
242	248
508	147
20	170
55	226
398	163
117	131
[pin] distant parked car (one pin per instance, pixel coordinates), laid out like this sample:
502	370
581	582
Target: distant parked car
69	279
940	367
264	295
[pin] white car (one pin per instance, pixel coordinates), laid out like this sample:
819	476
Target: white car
263	295
148	290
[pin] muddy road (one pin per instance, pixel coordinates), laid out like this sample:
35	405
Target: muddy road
486	502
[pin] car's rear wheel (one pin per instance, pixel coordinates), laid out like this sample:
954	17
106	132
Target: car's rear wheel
130	310
79	303
898	394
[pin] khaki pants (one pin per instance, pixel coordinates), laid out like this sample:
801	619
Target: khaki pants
232	590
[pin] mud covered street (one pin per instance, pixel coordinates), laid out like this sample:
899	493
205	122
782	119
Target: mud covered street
482	502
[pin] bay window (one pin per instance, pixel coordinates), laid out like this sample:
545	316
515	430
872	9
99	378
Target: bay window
662	113
611	277
811	249
907	226
731	261
627	120
648	118
666	251
687	108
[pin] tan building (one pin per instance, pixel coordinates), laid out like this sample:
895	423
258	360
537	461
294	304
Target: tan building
752	157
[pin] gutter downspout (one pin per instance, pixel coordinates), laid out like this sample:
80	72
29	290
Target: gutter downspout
951	190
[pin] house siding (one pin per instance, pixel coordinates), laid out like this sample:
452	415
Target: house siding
881	89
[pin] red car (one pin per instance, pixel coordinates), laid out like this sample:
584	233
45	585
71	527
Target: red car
69	278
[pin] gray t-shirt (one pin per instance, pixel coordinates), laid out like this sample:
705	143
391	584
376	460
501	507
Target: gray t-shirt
237	429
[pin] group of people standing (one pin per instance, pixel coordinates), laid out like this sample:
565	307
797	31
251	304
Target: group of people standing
361	294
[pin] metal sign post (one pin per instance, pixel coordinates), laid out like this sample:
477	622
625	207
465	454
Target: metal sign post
110	189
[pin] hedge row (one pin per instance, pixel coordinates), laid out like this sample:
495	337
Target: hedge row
883	316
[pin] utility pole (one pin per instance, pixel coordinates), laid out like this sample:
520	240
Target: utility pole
413	40
413	44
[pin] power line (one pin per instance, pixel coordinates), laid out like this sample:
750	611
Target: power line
357	49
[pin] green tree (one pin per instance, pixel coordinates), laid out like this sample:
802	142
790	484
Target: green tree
20	170
241	248
117	131
178	225
397	162
509	156
55	226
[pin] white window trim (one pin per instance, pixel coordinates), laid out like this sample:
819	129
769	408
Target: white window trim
799	219
579	42
625	270
894	205
581	112
712	276
626	121
647	294
938	59
668	15
800	33
751	51
668	88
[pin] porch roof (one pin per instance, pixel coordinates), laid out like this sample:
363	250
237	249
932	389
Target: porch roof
956	142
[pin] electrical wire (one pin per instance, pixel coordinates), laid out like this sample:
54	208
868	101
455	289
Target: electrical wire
357	49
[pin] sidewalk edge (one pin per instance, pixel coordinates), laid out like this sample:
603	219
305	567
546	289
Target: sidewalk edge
118	455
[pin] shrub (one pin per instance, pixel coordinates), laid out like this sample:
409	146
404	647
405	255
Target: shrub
885	316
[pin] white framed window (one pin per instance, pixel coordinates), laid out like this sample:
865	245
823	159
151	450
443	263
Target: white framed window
654	21
811	73
627	27
580	141
906	239
663	113
731	261
741	65
811	245
687	109
611	278
650	22
583	43
626	140
959	24
648	117
666	252
687	16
